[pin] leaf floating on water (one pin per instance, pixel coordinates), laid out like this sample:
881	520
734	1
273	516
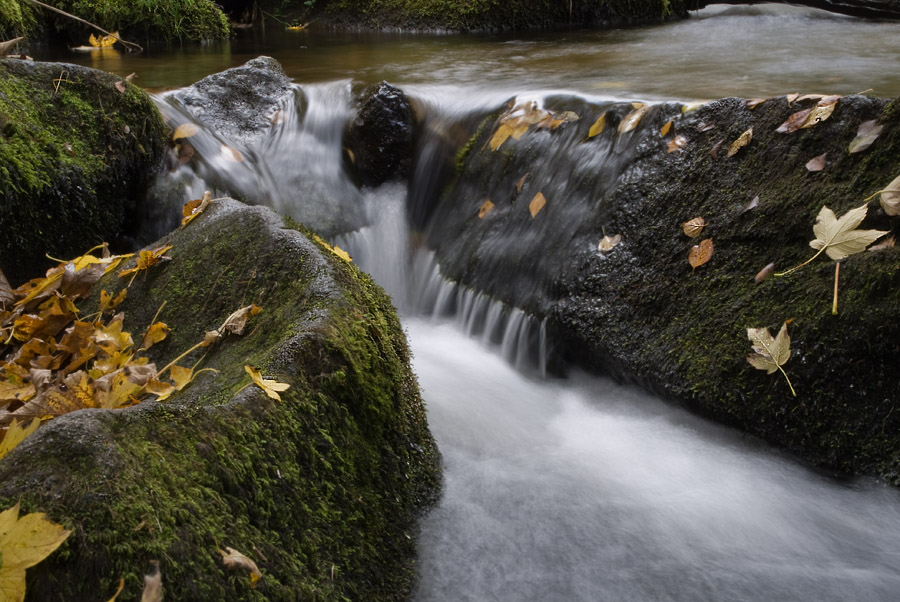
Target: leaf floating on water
753	204
701	253
609	242
632	120
816	163
764	273
676	144
234	560
185	130
839	238
270	387
665	129
890	197
742	141
694	227
770	354
485	209
794	122
755	102
867	133
537	203
103	41
598	126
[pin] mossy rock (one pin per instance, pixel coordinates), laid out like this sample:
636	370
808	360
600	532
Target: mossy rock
78	149
638	311
322	489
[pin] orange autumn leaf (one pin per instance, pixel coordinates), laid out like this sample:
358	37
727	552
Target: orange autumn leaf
156	333
536	204
147	259
700	254
485	209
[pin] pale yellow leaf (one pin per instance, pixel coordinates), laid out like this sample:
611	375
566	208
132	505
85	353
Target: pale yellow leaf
234	560
185	130
598	126
890	197
694	227
607	243
15	434
839	237
341	253
867	133
742	141
822	111
270	387
31	539
631	121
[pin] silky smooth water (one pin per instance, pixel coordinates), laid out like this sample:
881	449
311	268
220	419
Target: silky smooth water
576	489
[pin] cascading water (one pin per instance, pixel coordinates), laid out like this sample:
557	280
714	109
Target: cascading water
561	490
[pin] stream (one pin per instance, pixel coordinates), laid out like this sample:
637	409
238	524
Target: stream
574	489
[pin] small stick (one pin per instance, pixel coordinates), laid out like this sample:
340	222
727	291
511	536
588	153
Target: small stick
79	19
837	272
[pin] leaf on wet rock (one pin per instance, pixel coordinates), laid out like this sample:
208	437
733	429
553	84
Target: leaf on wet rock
237	321
887	243
156	333
598	126
839	238
794	122
664	130
270	387
764	273
520	184
15	434
632	120
235	561
867	133
755	102
741	141
693	227
769	353
816	163
24	542
890	197
676	144
485	209
753	204
608	243
700	254
185	130
147	259
192	209
536	204
822	111
790	98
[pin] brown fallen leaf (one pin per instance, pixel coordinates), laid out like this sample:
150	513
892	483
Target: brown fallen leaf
598	126
742	141
631	121
237	321
755	102
714	151
794	122
485	209
694	227
764	273
234	560
822	111
701	253
148	259
867	133
665	128
816	163
521	183
536	204
192	209
607	243
676	144
790	98
7	297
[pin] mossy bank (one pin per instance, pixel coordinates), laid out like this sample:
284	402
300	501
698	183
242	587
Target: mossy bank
322	489
639	311
78	148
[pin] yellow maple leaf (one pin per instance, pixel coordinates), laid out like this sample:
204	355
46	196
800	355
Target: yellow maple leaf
15	434
24	542
270	387
146	260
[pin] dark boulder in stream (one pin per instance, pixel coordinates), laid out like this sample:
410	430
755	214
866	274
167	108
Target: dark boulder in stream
321	488
538	189
380	138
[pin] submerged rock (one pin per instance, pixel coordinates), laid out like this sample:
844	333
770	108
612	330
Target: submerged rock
78	148
381	135
640	312
322	489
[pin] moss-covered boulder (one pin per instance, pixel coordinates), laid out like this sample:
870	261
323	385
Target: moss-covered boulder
639	311
322	488
78	148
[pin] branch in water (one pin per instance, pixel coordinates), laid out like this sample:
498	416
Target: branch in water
127	45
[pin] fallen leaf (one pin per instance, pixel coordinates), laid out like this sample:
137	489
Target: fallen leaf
692	106
665	128
791	97
485	209
887	243
633	118
742	141
153	591
890	197
270	387
598	126
235	323
705	126
676	144
753	204
185	130
234	560
816	163
341	253
15	434
211	337
156	333
192	209
130	77
755	102
794	122
607	243
537	203
120	86
231	154
24	542
700	254
764	273
822	111
867	133
714	151
7	297
810	97
106	41
694	227
839	238
770	354
8	45
147	259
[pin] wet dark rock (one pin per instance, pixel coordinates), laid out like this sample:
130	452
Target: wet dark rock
639	313
76	156
381	135
322	489
239	103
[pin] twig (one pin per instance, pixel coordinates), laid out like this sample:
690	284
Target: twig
837	271
79	19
